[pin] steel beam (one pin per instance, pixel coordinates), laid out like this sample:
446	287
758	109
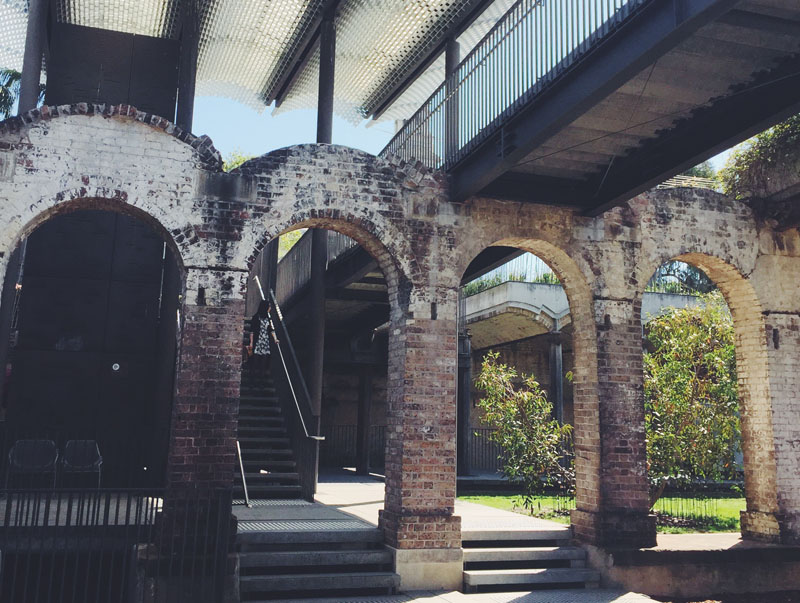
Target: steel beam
32	59
187	74
654	30
771	98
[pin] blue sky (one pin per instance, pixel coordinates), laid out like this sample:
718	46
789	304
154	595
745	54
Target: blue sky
235	127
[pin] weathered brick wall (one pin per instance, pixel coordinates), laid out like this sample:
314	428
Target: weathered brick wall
218	223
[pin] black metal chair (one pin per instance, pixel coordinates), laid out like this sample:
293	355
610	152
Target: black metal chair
32	457
82	456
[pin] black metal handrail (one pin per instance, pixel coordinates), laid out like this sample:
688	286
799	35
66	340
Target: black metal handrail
535	42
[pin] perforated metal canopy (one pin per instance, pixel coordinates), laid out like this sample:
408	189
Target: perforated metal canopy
247	46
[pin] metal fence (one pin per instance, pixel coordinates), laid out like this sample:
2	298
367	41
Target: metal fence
533	44
339	447
126	546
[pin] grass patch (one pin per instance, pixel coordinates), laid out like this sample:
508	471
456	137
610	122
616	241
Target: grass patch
675	514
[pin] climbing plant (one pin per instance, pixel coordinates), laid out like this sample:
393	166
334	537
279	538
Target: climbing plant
750	167
691	402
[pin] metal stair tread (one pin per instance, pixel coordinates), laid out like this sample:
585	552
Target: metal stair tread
250	559
560	575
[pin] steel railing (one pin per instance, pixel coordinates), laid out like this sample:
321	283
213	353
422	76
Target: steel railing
117	545
534	43
294	269
295	401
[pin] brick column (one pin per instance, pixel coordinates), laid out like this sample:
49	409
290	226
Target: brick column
625	520
202	451
417	519
783	351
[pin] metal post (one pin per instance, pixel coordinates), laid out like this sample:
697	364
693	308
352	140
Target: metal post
464	403
32	59
452	57
190	34
327	61
271	260
362	429
556	376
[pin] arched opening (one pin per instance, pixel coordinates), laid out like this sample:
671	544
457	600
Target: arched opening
527	302
707	399
352	411
89	331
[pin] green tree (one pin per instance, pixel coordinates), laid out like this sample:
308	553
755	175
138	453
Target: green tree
534	443
679	277
10	80
234	159
691	401
703	170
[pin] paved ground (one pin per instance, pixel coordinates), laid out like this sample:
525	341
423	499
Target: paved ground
561	596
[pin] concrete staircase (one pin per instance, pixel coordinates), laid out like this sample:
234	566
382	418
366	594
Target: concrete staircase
267	456
528	559
306	563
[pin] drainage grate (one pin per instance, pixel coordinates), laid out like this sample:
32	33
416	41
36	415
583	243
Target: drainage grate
276	502
300	525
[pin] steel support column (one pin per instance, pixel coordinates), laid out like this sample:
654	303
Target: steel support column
556	376
327	60
32	59
464	402
187	77
452	56
363	426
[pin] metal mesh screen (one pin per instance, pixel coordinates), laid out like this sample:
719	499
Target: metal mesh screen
13	24
377	41
246	45
156	18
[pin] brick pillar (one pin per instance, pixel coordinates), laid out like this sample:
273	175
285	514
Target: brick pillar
783	350
417	519
202	451
625	520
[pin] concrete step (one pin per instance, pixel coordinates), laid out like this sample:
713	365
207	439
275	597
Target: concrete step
508	577
254	454
320	582
263	441
329	537
254	488
270	465
543	553
251	431
271	476
261	411
560	533
292	559
269	421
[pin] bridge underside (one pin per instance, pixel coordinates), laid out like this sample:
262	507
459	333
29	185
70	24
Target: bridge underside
653	100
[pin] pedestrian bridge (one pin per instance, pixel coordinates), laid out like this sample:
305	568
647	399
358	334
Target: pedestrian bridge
587	103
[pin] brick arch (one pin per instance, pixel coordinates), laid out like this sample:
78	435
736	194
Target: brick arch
208	156
362	233
752	369
182	241
362	196
585	394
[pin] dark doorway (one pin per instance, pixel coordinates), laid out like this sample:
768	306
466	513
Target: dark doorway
93	341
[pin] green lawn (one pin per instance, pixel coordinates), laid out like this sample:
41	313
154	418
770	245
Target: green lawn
676	514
